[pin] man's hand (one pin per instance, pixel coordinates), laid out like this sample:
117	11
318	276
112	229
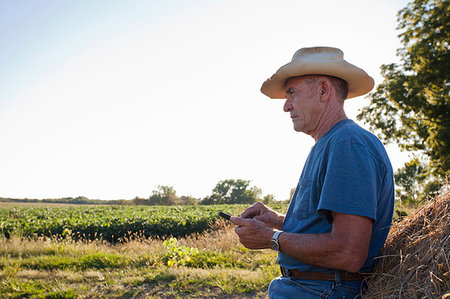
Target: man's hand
253	234
261	212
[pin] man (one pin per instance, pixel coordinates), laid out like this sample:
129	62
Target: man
341	211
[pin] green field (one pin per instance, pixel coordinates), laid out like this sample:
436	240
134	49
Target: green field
127	252
110	223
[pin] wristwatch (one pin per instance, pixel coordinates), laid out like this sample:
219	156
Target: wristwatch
274	242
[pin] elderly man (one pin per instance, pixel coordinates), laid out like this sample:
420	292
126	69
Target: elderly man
341	211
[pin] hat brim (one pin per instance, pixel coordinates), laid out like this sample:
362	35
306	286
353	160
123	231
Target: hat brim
358	81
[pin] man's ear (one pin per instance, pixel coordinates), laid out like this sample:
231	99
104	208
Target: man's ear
324	89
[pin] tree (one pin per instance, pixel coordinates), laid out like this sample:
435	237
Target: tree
188	200
414	184
268	199
233	191
140	201
411	106
164	195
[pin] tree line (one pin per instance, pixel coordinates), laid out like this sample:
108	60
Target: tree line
229	191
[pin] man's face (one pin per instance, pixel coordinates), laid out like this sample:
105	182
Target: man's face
303	103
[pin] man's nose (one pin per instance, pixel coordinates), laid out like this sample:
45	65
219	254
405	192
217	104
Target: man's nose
287	105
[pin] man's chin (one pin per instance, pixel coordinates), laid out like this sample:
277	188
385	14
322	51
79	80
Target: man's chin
298	130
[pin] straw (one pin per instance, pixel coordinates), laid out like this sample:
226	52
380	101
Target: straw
415	259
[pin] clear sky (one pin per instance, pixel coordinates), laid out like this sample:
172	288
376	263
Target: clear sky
108	99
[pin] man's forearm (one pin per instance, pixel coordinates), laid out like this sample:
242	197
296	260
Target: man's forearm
344	248
320	250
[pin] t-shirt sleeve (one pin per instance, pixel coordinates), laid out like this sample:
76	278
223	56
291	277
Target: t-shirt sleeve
350	182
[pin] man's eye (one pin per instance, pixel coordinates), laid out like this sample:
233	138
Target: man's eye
289	92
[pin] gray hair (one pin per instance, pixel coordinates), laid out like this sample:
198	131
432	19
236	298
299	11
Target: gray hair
339	85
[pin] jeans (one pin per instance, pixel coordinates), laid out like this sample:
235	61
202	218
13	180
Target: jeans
288	287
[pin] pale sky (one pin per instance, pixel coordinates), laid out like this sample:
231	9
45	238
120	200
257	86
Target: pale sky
108	99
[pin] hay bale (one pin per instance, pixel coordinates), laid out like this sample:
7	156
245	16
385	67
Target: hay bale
415	262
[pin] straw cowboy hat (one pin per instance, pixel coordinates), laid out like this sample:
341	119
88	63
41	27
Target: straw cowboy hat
319	61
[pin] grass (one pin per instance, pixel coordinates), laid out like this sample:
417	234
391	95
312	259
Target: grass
212	265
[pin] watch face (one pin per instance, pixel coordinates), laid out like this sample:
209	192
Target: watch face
274	244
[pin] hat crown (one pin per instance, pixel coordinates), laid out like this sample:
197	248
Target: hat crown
319	54
319	61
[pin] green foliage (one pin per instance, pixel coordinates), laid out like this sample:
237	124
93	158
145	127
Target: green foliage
111	223
232	191
49	263
411	106
409	180
191	257
24	289
29	288
414	184
10	272
103	261
268	199
178	255
67	294
164	195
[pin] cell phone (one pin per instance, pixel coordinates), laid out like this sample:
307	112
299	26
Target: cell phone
224	215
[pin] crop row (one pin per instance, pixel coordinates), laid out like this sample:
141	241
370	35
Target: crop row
111	223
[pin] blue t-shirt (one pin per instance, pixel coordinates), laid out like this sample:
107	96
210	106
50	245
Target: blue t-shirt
347	171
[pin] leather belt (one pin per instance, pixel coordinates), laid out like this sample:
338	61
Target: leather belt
344	275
